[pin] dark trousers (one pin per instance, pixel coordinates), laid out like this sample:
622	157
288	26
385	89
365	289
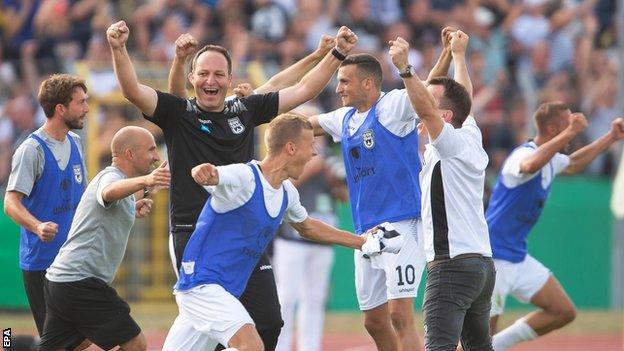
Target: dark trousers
457	304
33	284
259	298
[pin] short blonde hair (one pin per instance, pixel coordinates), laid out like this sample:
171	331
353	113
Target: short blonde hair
284	128
547	113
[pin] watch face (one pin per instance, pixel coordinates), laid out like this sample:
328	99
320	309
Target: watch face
408	72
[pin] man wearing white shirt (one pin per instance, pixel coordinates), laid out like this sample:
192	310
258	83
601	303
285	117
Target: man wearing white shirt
517	202
460	271
379	142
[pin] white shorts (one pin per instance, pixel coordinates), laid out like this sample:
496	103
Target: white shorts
522	280
207	315
391	276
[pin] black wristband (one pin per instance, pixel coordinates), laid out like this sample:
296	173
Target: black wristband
146	192
338	55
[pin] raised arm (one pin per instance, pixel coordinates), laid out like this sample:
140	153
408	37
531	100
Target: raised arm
422	101
293	74
159	177
321	232
140	95
441	67
583	156
459	43
185	46
313	83
547	150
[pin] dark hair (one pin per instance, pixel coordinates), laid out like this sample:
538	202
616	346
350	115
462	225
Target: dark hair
454	98
284	128
367	64
216	48
58	89
547	113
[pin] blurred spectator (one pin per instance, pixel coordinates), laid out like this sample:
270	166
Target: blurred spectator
521	53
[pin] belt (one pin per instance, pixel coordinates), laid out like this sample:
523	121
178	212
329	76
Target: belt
458	257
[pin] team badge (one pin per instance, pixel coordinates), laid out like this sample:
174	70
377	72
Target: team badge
367	139
77	174
235	125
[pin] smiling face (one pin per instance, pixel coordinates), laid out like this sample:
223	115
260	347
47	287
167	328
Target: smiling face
303	151
350	86
211	80
145	153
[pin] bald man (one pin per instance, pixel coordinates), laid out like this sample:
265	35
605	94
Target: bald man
80	303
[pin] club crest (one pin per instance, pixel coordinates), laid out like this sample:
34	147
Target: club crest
368	139
78	174
235	125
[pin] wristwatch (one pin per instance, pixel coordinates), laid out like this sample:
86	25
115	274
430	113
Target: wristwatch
409	71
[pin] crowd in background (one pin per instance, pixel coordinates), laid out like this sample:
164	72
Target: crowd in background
521	53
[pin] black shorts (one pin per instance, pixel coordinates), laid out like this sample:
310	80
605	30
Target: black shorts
260	295
85	309
33	285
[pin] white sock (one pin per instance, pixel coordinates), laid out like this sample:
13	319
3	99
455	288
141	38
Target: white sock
515	333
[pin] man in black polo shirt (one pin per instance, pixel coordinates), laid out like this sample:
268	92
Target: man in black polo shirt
211	129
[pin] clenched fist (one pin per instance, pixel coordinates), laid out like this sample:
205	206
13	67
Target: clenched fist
117	34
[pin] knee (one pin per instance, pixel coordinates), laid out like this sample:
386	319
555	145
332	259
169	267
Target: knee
568	315
139	343
375	325
401	320
251	345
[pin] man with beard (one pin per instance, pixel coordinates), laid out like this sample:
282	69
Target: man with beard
49	161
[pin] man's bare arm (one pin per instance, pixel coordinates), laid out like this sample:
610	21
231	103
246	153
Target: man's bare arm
313	83
142	96
441	68
293	74
321	232
422	101
185	46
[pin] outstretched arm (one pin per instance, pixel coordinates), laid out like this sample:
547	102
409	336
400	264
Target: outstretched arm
547	150
140	95
185	46
205	174
315	230
313	83
160	177
293	74
583	156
